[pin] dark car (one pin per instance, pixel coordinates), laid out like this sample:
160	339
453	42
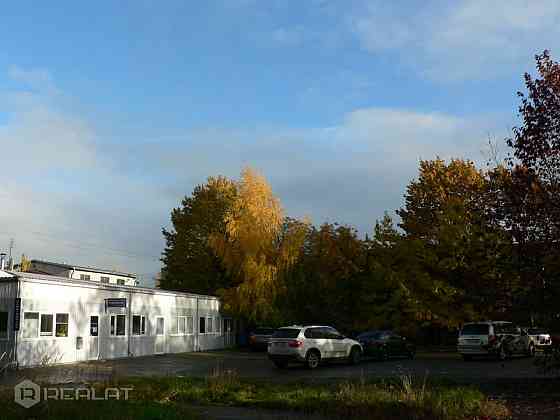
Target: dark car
384	345
259	338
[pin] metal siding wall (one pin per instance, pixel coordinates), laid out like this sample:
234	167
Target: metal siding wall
8	290
81	302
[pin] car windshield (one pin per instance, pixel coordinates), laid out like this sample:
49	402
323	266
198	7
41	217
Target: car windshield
286	333
535	331
475	329
376	335
264	331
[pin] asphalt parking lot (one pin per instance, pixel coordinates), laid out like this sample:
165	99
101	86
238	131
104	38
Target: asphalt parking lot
253	365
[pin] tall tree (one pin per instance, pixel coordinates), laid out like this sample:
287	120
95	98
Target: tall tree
189	262
257	248
532	207
439	187
458	250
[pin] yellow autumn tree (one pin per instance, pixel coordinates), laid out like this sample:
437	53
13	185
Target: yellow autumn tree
25	264
258	247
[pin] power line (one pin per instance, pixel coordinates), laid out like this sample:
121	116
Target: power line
87	246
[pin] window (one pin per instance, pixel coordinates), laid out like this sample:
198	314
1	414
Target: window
3	325
138	325
120	282
94	325
189	325
217	325
209	325
332	334
475	329
104	279
30	324
62	325
118	325
160	325
181	325
85	277
202	325
314	333
286	333
46	324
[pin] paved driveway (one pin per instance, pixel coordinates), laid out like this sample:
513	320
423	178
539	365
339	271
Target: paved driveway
256	366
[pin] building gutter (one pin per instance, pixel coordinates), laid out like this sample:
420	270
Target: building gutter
16	333
197	328
129	322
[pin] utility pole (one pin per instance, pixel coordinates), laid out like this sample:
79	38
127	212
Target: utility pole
10	260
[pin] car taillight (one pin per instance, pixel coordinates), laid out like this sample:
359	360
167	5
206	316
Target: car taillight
295	343
491	339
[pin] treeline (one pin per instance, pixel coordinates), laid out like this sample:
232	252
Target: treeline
470	243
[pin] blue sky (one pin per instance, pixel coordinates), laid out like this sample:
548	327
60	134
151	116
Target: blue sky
110	112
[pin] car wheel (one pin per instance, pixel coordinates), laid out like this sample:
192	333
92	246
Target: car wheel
502	355
467	358
355	356
279	364
313	358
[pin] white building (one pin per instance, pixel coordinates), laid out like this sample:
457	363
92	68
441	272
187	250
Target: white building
48	319
82	273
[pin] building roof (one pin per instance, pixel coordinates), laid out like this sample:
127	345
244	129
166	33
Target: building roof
86	268
98	285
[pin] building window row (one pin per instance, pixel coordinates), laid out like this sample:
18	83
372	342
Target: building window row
35	324
209	325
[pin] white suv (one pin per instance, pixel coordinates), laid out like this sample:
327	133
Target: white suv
311	345
493	338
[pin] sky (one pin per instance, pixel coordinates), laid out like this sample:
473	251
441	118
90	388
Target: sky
111	112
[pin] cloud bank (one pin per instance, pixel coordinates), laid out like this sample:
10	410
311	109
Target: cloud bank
71	195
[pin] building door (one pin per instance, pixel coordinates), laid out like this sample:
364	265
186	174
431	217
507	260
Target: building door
229	337
160	335
93	347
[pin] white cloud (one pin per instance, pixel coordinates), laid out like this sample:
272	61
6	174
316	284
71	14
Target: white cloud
351	172
39	79
63	195
69	195
460	40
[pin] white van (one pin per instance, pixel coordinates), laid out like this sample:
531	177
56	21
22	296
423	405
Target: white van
500	339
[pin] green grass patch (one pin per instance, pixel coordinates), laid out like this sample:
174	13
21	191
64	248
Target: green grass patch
382	399
94	410
172	398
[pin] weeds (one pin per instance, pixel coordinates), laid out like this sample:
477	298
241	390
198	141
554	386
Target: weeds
402	397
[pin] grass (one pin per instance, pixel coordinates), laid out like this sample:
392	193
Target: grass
172	398
93	410
400	398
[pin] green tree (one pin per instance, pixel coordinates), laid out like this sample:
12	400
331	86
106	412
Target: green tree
189	262
458	255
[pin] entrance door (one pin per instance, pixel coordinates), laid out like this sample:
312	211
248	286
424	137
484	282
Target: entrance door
160	335
93	345
229	340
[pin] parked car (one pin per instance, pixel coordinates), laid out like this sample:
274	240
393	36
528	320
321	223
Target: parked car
500	339
386	344
258	339
311	345
540	338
